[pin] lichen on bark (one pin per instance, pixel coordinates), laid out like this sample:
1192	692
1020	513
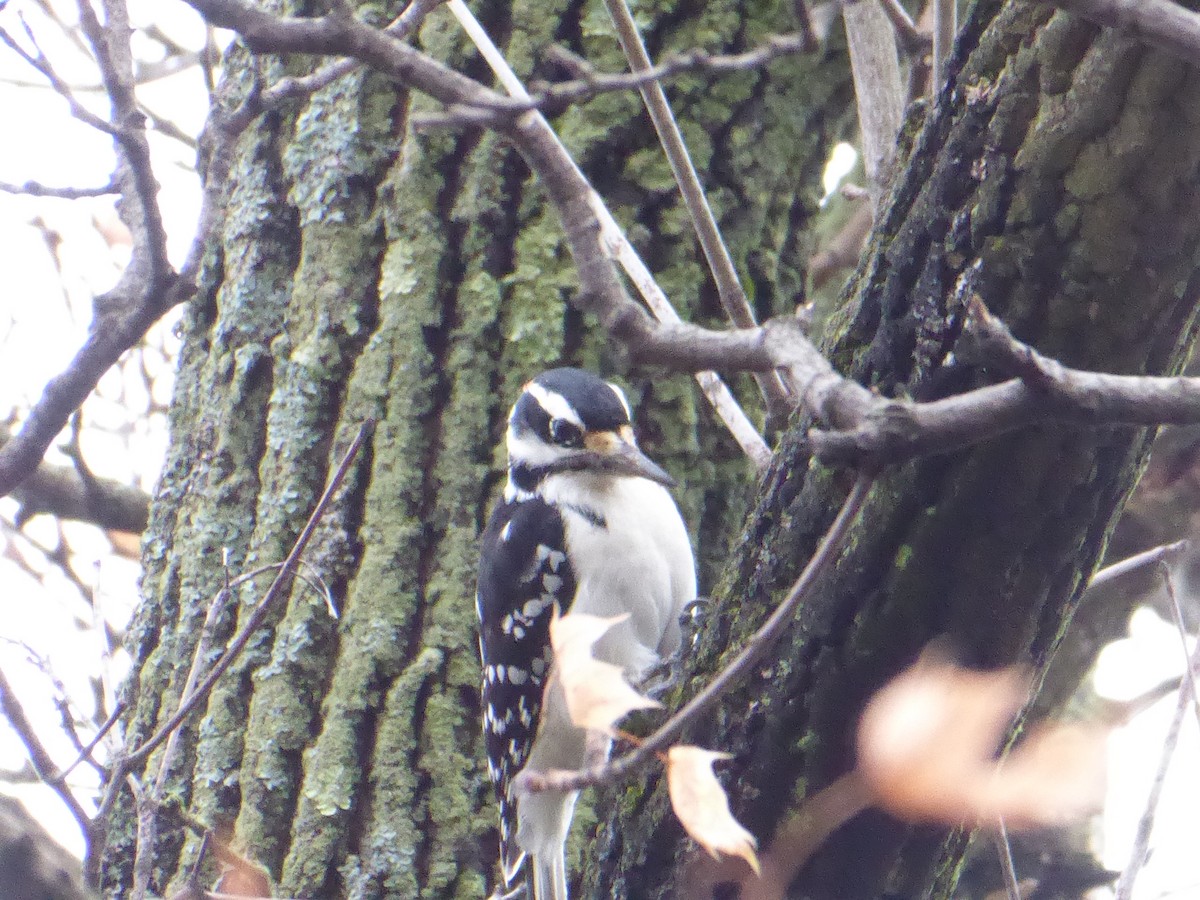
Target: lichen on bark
1022	175
367	271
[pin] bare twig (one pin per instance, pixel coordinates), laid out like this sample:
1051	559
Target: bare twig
1141	844
36	189
43	762
300	86
729	287
1189	673
945	26
1012	887
135	174
61	491
612	238
878	90
859	427
143	856
148	286
591	83
40	63
912	39
86	752
148	818
125	764
750	656
255	620
1163	553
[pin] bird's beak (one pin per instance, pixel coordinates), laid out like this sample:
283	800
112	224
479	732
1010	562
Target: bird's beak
617	453
629	460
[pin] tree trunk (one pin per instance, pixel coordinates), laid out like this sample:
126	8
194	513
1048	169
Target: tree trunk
1061	168
367	272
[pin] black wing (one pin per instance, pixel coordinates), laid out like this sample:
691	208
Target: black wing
523	572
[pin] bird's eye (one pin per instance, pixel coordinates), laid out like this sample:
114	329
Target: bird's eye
565	434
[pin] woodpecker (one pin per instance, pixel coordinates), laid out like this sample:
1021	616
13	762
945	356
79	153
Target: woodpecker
586	524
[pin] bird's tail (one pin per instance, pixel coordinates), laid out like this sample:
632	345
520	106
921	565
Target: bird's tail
549	875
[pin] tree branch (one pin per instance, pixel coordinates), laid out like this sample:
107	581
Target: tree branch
148	286
1159	22
36	189
878	91
720	264
856	426
42	761
751	655
62	492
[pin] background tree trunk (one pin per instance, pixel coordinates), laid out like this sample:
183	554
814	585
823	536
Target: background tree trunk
364	271
1062	168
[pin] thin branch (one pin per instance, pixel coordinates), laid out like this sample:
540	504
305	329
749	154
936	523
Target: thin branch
62	492
611	237
148	287
37	189
857	427
143	855
43	762
300	86
591	83
729	287
190	701
752	654
945	26
1141	844
148	817
41	64
878	90
86	753
124	765
111	47
912	39
1164	553
1004	850
1189	673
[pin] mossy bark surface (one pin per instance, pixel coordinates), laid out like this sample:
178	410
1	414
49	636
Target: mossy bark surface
1061	169
367	272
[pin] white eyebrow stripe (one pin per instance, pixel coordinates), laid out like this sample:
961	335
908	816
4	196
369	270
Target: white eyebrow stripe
554	403
621	396
531	450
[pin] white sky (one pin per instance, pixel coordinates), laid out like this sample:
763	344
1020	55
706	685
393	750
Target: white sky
43	319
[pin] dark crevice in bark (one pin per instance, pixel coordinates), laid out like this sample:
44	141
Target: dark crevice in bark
420	806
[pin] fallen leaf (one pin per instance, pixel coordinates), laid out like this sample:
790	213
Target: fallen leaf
700	803
596	692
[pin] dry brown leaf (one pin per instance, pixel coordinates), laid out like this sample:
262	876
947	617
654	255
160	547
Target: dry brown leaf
1055	775
927	743
596	692
700	803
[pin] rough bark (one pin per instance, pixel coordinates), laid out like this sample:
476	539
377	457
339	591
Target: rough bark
1063	164
367	272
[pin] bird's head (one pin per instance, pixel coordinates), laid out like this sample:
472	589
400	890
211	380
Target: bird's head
569	420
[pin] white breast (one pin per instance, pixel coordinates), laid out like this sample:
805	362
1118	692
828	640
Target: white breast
638	562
